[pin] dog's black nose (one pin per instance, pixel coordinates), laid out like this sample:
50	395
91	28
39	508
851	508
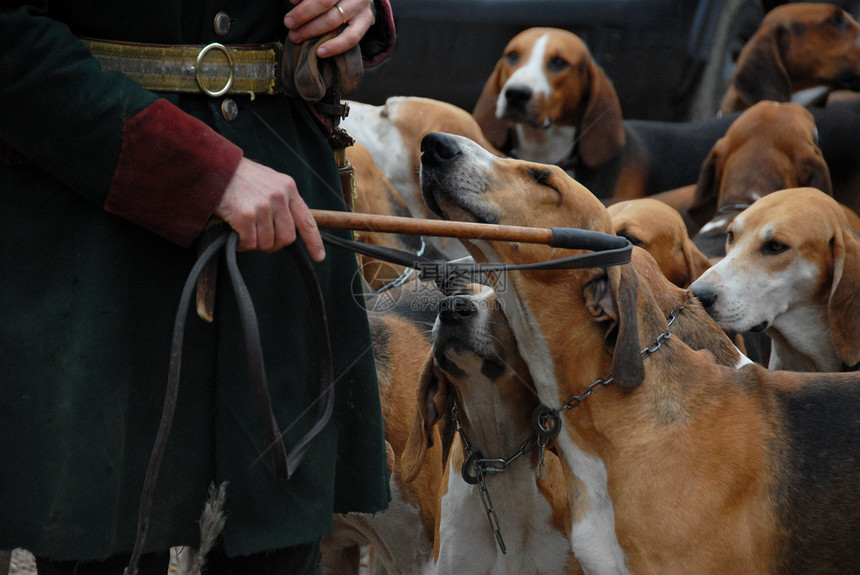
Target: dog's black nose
438	149
455	309
518	96
708	298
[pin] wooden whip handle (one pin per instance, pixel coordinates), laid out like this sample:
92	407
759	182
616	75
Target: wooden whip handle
418	226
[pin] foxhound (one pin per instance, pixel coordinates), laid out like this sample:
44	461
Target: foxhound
392	134
688	466
513	518
475	359
660	230
548	101
771	146
800	52
791	270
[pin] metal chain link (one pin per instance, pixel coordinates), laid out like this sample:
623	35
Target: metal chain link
482	466
575	400
491	464
541	468
491	512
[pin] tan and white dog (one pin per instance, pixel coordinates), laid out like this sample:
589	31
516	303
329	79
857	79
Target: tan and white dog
476	365
545	93
476	360
549	90
392	134
688	466
548	101
791	269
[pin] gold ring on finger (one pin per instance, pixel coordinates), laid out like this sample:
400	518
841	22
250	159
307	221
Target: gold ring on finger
342	13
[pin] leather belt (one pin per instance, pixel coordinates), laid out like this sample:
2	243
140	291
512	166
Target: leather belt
213	69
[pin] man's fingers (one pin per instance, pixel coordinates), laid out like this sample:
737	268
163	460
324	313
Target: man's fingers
265	229
306	12
265	208
247	236
325	23
340	43
307	228
312	19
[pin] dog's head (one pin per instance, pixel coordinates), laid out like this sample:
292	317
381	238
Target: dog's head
475	360
797	47
791	259
462	182
660	230
547	79
392	134
772	146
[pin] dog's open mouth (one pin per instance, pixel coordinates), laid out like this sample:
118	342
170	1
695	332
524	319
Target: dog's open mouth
759	327
518	116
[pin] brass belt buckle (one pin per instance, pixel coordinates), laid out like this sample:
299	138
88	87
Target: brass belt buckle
200	55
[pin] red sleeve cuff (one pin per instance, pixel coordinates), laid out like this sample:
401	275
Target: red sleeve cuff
172	171
378	43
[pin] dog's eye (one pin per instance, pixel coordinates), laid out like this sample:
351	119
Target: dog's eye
540	176
512	58
557	64
773	247
544	178
838	21
631	238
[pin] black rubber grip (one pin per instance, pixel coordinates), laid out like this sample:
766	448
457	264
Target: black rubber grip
577	239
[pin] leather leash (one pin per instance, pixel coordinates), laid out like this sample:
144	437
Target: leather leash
607	249
285	464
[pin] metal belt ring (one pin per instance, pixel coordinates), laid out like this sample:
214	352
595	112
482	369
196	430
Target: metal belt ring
200	56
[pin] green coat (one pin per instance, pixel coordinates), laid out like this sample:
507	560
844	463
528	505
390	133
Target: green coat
103	188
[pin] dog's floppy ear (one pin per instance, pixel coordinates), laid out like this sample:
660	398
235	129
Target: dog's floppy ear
843	308
432	399
611	298
600	133
696	262
814	173
703	204
495	130
761	74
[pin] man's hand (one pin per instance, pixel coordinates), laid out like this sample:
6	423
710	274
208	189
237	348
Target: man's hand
312	18
265	208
